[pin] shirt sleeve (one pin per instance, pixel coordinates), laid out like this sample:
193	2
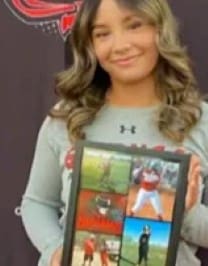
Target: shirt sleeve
195	225
41	201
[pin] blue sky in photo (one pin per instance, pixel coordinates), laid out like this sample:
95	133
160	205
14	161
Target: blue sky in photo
160	231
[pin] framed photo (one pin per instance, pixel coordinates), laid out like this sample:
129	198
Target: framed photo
125	207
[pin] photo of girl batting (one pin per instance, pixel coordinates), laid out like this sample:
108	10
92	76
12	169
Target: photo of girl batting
152	191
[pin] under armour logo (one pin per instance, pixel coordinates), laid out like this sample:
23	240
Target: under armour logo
123	129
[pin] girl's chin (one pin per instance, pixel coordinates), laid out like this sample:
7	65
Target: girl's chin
129	79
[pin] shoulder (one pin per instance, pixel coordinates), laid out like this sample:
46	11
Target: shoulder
52	125
202	124
204	108
54	130
197	142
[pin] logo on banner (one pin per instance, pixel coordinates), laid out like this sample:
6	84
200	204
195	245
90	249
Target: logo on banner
50	17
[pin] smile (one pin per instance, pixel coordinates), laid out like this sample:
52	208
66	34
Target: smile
125	61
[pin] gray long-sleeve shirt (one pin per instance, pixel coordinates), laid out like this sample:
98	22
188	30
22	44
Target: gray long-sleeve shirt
49	183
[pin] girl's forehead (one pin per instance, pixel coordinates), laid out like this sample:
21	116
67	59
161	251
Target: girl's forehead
106	15
114	10
111	8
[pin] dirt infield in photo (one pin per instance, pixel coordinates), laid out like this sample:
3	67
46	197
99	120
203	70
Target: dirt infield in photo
147	211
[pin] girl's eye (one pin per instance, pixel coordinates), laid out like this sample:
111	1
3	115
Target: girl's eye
101	34
135	25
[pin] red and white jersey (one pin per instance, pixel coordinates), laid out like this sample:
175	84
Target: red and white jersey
150	180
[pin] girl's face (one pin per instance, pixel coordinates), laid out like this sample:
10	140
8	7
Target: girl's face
124	43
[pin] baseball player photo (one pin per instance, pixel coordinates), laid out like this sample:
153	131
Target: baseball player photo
148	177
105	178
89	249
144	245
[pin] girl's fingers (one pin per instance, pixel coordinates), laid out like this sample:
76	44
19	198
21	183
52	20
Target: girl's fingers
195	161
194	178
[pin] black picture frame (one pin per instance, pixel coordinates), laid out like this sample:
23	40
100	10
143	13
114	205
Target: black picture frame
105	204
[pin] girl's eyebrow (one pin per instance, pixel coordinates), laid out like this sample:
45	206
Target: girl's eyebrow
125	20
98	26
130	17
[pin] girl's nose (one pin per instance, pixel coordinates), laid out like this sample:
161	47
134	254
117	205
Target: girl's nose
120	43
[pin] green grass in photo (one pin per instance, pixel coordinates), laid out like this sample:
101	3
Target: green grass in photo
157	254
92	172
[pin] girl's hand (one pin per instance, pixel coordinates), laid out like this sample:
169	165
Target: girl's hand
56	257
194	179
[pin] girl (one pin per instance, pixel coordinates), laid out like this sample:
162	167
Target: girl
148	191
131	83
104	253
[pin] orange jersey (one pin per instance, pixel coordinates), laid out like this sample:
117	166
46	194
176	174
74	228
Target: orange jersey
104	256
89	247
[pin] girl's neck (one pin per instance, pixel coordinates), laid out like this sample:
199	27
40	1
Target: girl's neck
142	94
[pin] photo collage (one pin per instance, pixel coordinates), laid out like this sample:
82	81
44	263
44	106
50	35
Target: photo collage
124	209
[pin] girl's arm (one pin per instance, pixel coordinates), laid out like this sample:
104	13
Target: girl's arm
41	201
195	226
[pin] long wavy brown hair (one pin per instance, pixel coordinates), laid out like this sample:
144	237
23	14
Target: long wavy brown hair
83	86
